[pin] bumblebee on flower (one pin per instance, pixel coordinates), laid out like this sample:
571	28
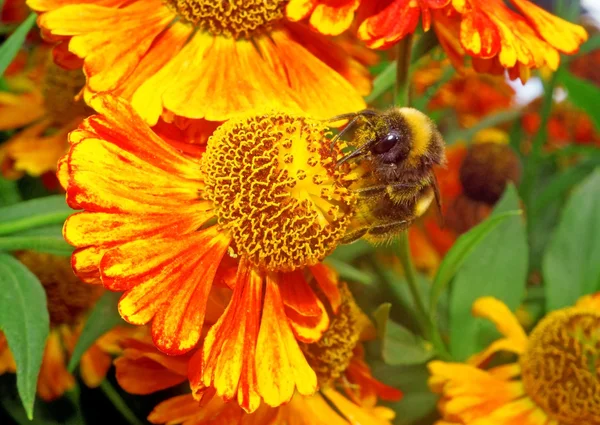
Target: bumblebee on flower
256	213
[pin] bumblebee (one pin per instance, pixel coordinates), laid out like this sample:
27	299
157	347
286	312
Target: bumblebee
392	168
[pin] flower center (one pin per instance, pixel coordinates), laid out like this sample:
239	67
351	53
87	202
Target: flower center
232	18
60	88
68	298
486	169
331	355
274	186
561	364
464	213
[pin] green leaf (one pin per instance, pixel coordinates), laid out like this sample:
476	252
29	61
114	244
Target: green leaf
571	264
25	322
582	93
104	316
9	49
399	346
47	239
461	250
383	82
350	252
9	192
497	268
349	272
589	46
33	213
418	404
562	183
493	120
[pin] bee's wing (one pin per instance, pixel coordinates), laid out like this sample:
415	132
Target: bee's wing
438	200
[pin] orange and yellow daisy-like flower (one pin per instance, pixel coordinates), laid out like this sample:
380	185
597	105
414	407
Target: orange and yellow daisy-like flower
382	22
201	59
555	380
68	302
42	109
337	358
257	213
494	35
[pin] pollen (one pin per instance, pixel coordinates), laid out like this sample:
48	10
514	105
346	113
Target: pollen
560	368
233	18
60	87
331	355
68	298
275	188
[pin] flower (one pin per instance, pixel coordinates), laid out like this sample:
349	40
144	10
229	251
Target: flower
472	96
472	182
494	35
566	125
555	379
257	213
382	22
201	59
44	107
337	358
68	302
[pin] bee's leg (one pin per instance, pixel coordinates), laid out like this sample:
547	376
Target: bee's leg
378	233
371	191
354	235
348	127
353	117
382	233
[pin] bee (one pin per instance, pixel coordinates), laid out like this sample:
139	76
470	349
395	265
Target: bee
392	168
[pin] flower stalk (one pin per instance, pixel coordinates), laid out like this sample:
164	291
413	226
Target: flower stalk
402	91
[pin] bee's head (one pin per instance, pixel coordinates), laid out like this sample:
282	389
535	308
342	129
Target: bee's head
407	138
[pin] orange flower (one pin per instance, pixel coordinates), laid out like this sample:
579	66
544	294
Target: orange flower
266	199
566	125
338	360
68	302
555	362
44	106
470	95
495	36
199	60
383	22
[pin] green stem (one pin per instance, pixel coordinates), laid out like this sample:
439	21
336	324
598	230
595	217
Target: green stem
402	97
535	156
428	328
119	403
34	221
411	278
